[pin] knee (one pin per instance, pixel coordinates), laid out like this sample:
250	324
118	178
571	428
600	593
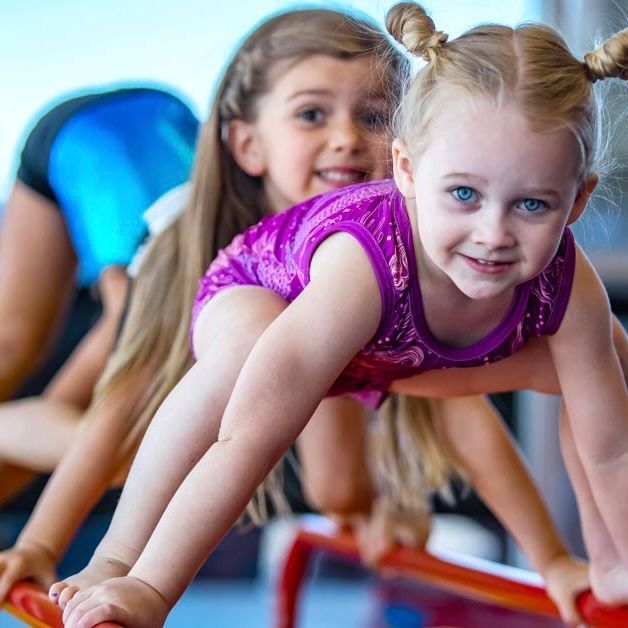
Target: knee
340	494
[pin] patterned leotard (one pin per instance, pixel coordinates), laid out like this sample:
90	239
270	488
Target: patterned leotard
276	254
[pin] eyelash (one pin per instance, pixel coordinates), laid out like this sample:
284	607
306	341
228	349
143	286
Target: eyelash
370	120
374	119
303	113
542	205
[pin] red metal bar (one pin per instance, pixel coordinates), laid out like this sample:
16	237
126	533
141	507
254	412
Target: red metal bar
476	579
30	604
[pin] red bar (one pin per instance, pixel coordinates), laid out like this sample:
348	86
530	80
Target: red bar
484	581
29	603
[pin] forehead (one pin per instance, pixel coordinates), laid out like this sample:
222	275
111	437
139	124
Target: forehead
358	76
499	140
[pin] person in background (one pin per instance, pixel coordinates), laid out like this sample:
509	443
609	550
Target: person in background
88	170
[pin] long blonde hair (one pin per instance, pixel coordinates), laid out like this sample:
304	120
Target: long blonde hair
533	64
224	200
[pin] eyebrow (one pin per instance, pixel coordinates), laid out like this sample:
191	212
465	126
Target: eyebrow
310	92
328	92
464	175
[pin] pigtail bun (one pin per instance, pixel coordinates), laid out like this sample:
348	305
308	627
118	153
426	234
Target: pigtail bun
414	29
610	60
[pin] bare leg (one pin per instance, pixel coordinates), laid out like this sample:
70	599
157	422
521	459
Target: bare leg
37	264
76	380
338	432
183	429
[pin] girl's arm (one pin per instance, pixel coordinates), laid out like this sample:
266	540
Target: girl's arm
79	481
596	397
478	439
288	372
76	379
531	368
291	367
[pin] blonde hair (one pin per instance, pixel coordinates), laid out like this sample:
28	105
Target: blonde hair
224	202
530	64
410	455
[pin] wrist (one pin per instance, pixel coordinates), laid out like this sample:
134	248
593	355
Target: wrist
26	543
115	555
545	567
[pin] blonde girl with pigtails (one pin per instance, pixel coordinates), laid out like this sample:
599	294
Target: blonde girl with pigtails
227	194
463	265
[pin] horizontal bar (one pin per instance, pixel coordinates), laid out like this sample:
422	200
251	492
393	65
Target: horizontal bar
478	579
30	604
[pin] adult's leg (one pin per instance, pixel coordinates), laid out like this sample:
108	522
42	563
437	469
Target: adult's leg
37	265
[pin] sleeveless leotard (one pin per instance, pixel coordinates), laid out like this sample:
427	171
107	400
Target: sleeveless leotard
276	254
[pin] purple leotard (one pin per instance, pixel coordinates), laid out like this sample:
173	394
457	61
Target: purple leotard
276	254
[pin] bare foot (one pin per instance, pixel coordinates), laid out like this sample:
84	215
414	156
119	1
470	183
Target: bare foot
98	570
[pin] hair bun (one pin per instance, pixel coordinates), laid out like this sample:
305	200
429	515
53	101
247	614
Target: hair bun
610	60
414	29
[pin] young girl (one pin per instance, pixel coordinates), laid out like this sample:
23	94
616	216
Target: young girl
331	288
307	92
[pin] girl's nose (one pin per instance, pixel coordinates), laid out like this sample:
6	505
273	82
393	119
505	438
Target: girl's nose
492	230
346	136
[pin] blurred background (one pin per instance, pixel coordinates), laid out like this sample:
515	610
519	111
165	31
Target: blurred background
52	49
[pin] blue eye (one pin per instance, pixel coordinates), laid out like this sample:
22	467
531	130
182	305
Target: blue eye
533	204
464	194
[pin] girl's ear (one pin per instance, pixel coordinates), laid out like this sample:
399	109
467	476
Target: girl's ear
402	168
245	147
582	198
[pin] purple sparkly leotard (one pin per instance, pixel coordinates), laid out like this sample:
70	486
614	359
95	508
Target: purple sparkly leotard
276	254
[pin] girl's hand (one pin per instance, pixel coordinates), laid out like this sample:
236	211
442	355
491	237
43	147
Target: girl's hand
388	526
23	561
565	577
127	601
97	571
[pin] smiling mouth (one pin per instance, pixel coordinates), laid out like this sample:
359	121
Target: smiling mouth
342	176
490	267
